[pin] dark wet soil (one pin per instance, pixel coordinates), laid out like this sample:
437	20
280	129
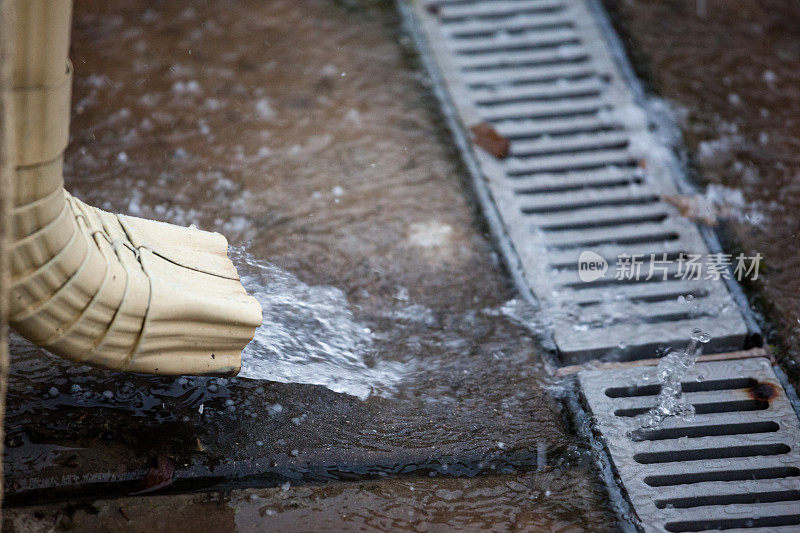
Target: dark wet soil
732	70
303	129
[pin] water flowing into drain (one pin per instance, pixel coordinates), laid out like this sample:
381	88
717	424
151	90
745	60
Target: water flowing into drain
309	335
670	371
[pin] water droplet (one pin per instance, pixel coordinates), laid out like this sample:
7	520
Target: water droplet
699	335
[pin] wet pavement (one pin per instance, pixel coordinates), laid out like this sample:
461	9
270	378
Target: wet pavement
305	130
732	72
489	503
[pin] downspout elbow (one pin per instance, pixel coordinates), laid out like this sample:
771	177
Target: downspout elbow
111	290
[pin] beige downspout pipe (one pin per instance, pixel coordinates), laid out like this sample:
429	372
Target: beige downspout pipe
6	191
95	287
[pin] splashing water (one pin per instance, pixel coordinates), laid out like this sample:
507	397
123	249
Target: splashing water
308	335
670	371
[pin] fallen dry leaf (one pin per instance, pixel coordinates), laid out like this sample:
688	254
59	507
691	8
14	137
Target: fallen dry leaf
694	208
485	136
160	475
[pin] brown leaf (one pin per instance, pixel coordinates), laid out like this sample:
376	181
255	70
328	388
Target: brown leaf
694	208
160	475
485	136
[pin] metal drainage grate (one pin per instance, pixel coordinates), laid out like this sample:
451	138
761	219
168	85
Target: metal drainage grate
735	465
584	172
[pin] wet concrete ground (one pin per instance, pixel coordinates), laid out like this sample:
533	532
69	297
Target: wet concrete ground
304	129
732	70
486	503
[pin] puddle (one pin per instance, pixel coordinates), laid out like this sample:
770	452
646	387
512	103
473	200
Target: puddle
530	502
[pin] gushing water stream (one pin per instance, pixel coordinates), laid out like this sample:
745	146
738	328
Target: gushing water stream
670	371
309	335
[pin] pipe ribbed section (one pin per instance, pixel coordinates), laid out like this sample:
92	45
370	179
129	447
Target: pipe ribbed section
95	287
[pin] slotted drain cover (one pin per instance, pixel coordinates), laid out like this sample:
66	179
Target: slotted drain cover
584	173
736	465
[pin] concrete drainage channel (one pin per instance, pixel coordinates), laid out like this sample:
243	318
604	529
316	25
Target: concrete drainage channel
583	173
735	465
585	169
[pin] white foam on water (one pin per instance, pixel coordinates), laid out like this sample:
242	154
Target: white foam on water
309	335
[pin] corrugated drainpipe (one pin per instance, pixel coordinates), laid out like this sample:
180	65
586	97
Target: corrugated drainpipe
6	191
95	287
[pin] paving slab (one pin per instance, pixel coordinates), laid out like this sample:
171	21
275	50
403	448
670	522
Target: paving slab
306	130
